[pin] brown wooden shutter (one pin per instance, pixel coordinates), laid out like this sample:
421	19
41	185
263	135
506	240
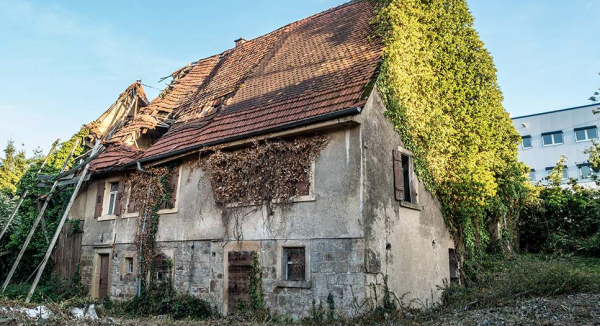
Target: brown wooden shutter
99	199
173	183
120	196
413	181
398	176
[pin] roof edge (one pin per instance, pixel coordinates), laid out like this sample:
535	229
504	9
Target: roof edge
555	111
300	123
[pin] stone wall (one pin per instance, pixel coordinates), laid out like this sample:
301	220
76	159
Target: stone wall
336	267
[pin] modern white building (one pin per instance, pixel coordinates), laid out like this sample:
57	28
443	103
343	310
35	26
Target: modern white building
548	135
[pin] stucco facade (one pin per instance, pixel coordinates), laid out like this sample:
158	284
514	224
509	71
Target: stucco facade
352	229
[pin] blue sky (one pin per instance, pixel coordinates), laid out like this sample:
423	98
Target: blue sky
64	62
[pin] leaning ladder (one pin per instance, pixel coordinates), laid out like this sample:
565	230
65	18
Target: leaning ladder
61	224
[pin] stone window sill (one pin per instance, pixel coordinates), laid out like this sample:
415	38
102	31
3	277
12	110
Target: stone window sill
167	211
293	284
410	205
107	217
130	215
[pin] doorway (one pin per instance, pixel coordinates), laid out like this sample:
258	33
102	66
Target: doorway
240	264
104	278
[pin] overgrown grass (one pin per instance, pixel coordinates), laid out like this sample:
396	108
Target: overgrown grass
499	280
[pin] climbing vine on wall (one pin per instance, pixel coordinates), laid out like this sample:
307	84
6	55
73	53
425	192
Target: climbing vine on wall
264	171
441	92
149	190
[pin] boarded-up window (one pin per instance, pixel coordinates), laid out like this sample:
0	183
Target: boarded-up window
405	184
295	264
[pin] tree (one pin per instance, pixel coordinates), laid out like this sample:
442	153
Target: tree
12	168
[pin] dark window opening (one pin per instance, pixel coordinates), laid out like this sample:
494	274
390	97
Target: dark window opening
453	266
526	141
295	264
406	177
404	181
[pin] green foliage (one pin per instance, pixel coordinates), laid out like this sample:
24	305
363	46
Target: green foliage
439	86
255	284
163	300
564	220
12	167
330	308
29	210
317	313
502	280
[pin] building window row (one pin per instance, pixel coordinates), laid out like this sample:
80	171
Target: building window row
585	172
556	137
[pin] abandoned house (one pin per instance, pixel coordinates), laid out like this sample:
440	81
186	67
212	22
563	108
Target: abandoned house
355	213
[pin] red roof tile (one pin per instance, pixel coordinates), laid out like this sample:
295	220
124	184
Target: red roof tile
316	66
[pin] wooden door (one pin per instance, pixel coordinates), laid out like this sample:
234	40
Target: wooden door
104	279
239	265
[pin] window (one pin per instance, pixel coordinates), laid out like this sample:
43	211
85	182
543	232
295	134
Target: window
586	133
565	172
532	175
453	266
404	181
171	204
526	142
585	171
294	259
162	268
129	266
112	197
552	138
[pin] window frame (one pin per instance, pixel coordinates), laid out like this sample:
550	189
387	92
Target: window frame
398	157
286	263
523	142
589	166
281	280
106	199
553	134
586	132
311	187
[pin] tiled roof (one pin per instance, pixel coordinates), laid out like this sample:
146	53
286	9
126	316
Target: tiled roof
316	66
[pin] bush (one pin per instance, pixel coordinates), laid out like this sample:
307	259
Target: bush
163	300
563	221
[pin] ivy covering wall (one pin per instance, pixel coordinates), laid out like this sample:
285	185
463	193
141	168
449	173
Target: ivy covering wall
441	92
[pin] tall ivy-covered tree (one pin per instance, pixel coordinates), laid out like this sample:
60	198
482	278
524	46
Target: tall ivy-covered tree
441	93
12	168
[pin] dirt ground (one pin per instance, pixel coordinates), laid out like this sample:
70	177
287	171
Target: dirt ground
580	309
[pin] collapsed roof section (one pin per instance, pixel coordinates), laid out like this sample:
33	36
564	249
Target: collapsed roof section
314	67
125	108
